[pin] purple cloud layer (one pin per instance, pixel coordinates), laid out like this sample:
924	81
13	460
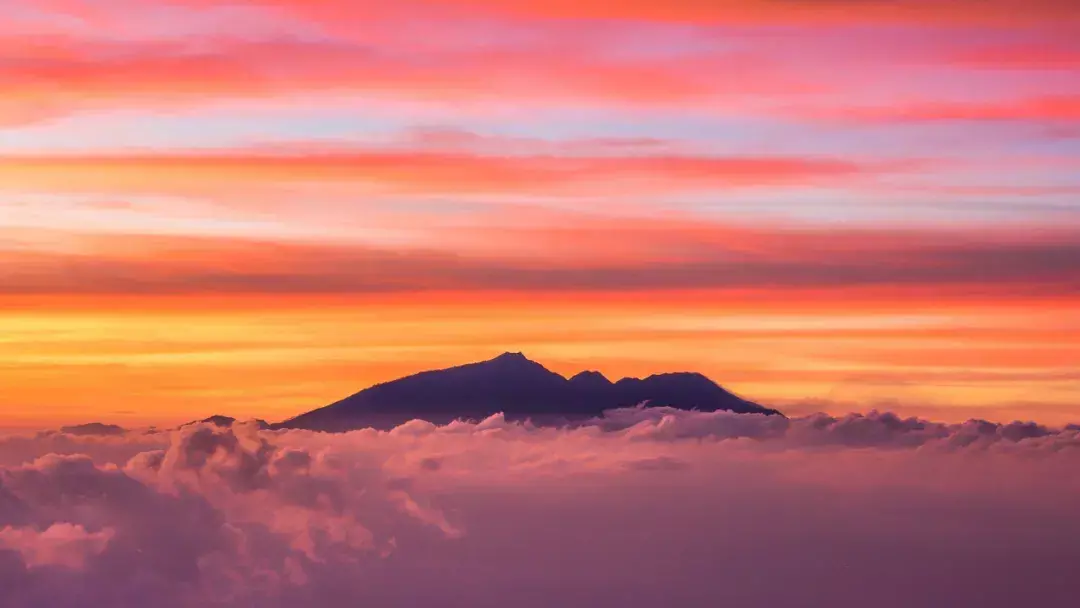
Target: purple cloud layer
641	508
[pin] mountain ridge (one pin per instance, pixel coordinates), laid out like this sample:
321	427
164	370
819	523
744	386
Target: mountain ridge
518	387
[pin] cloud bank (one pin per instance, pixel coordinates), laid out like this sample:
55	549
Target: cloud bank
644	507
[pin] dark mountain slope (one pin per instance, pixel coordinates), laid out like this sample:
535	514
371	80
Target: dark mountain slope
518	387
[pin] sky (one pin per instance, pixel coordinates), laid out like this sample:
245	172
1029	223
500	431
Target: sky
257	207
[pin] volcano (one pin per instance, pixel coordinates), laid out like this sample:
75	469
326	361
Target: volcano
520	389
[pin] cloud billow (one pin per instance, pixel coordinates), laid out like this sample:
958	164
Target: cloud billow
641	507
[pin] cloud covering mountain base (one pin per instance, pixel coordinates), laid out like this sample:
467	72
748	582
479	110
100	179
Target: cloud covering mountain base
640	508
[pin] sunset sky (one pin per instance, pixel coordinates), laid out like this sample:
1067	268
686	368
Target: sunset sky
257	207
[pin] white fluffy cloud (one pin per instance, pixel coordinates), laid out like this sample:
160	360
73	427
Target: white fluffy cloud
641	508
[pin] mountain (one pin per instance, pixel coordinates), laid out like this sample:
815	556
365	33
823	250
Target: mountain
519	388
94	429
228	421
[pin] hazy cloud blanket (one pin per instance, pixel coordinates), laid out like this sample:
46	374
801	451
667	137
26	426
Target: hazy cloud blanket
645	507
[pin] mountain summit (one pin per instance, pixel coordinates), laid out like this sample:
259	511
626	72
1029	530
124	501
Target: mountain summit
518	387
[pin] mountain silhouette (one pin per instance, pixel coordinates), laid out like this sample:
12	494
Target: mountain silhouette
94	429
519	388
227	422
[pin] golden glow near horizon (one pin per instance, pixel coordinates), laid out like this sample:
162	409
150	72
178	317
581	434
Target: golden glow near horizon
169	362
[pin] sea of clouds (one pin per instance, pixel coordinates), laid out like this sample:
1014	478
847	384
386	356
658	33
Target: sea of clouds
645	507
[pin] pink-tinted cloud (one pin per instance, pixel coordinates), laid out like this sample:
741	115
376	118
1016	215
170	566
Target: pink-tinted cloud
534	53
62	545
1021	57
798	11
56	75
428	171
643	505
634	254
1062	108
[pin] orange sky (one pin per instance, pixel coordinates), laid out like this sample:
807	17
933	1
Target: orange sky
257	207
157	360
